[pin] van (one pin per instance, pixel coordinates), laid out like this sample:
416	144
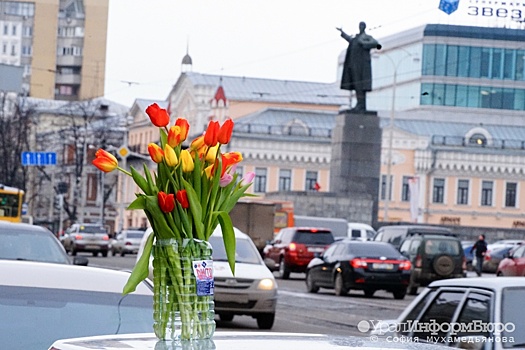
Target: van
338	226
395	234
360	232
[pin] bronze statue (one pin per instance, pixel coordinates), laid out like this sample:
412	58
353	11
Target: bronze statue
357	71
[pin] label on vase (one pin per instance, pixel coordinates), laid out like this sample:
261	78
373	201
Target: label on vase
203	270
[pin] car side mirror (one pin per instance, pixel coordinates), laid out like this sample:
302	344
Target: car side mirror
80	260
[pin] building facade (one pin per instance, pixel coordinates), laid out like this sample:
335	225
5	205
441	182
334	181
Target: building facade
60	43
453	135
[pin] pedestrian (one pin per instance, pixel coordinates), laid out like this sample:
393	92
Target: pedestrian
481	248
357	71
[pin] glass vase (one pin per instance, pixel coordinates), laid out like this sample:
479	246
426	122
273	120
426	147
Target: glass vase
183	307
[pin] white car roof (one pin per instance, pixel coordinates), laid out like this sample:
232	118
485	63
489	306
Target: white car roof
238	233
45	275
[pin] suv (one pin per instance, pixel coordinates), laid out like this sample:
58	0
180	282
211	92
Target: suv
86	238
395	234
433	257
294	247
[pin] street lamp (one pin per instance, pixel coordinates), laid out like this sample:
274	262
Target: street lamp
391	130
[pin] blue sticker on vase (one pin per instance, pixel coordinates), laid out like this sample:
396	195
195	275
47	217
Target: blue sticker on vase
203	271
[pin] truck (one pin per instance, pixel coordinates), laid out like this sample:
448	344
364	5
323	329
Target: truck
260	218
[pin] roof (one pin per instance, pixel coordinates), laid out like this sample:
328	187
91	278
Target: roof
273	90
494	283
484	33
47	275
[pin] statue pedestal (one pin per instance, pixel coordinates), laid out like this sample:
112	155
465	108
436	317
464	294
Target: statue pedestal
356	156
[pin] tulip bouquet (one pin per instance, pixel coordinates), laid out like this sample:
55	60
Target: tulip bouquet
191	192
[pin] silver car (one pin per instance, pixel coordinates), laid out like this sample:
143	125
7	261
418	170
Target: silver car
127	242
86	238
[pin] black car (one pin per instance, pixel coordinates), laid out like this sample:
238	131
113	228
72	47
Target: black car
366	266
433	257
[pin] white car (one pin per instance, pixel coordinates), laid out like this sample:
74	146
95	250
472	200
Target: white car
253	290
127	242
42	302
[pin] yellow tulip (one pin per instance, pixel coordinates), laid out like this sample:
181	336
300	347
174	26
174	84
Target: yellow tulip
169	156
187	161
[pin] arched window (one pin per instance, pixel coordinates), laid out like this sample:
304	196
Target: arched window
477	140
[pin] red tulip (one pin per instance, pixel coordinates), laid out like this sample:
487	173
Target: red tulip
212	133
166	202
158	116
184	128
182	198
225	132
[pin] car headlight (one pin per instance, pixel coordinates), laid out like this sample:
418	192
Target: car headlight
266	284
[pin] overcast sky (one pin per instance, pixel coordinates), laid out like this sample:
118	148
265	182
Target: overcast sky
275	39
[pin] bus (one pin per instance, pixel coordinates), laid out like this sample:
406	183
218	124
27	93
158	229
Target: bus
11	200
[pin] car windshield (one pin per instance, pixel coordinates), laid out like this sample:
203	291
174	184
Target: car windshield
92	229
244	251
512	311
372	250
52	313
318	237
33	246
135	234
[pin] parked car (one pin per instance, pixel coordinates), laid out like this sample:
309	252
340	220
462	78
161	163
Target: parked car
86	238
476	305
361	232
366	266
252	291
469	256
127	242
42	302
514	263
395	234
294	247
433	257
240	340
492	259
19	241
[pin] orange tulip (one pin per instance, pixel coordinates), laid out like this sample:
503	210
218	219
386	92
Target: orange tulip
105	161
174	136
158	116
212	133
197	143
225	132
229	159
182	198
184	128
166	202
156	153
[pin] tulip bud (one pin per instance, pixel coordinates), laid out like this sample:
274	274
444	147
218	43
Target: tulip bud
166	202
182	198
187	161
225	132
170	156
105	161
184	128
155	152
211	134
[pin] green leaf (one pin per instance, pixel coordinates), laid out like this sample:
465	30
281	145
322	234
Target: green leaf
195	208
151	185
228	236
138	203
141	270
140	181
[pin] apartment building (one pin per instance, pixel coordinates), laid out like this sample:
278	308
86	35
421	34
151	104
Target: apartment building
61	44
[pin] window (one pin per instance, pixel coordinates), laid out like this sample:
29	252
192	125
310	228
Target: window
311	181
438	191
510	194
486	193
240	171
477	140
13	30
27	50
476	308
441	311
405	191
27	31
462	192
285	179
6	29
259	183
383	188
